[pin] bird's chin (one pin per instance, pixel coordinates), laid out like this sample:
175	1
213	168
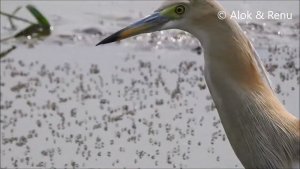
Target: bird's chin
169	25
179	25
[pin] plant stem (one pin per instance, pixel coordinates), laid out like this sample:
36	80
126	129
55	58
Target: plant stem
16	17
7	38
3	54
13	26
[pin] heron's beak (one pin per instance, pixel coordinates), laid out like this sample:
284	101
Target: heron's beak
149	24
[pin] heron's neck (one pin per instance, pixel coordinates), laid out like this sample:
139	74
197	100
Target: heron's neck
248	109
228	50
231	70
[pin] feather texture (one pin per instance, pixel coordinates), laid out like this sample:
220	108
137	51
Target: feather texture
260	130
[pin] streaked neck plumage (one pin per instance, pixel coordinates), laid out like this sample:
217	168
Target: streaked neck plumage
262	133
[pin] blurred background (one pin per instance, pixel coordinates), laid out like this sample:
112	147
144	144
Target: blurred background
142	102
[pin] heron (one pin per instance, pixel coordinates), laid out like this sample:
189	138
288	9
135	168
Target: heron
262	133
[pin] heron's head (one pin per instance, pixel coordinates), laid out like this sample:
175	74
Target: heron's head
173	14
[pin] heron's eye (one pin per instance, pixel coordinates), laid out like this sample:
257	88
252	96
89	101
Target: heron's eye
180	10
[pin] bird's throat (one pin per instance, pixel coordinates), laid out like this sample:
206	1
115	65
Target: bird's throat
248	108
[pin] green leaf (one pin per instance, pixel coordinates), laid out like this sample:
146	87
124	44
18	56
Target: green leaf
42	28
38	15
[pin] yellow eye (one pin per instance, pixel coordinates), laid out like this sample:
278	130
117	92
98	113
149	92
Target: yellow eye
179	10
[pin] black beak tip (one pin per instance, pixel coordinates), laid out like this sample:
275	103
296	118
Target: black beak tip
100	43
109	39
